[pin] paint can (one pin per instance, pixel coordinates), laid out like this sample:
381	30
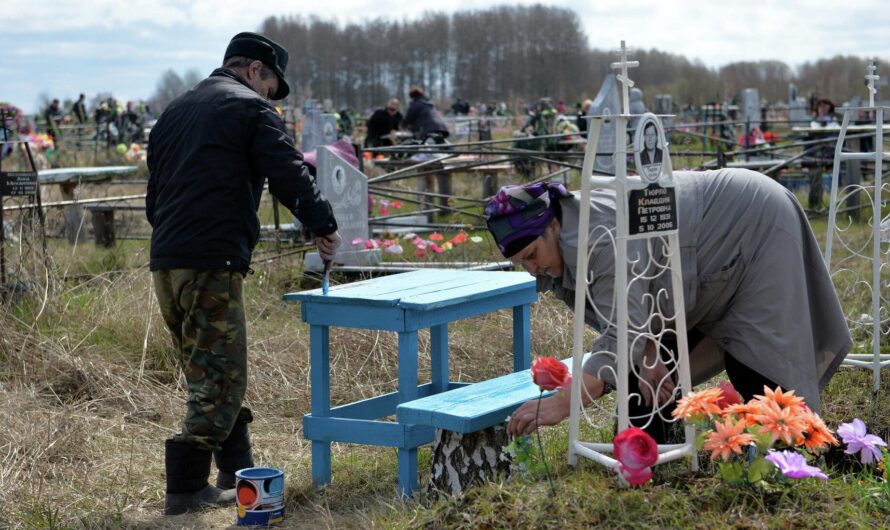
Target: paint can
259	496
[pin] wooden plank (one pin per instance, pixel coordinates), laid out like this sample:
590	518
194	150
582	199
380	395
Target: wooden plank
423	319
384	290
475	285
354	315
422	289
376	407
369	432
473	407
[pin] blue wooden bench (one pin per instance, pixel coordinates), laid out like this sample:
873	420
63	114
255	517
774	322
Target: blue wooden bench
473	407
403	303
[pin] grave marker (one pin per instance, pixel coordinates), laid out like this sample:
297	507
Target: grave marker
346	188
751	108
664	105
606	103
318	128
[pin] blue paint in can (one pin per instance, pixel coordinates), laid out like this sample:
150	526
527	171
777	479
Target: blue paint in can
259	495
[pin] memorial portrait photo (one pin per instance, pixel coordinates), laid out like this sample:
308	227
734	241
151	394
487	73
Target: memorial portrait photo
648	149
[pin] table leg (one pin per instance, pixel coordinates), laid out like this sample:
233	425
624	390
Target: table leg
522	337
439	357
320	375
407	392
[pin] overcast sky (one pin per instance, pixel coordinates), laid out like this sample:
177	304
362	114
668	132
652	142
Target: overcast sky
64	47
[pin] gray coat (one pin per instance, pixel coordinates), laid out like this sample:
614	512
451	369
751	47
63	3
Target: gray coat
753	275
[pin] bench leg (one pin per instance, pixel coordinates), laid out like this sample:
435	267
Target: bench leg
320	375
407	471
321	463
522	337
407	392
439	357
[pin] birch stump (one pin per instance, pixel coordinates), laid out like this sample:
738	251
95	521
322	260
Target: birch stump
460	460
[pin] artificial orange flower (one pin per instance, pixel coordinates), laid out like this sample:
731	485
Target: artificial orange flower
786	423
783	399
704	402
460	238
816	435
727	438
742	411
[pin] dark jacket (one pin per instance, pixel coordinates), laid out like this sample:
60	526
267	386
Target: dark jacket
423	118
379	125
208	156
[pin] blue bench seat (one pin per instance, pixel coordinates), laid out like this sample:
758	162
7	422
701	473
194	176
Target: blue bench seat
473	407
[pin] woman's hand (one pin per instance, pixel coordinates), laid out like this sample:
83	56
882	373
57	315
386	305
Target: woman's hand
554	408
651	377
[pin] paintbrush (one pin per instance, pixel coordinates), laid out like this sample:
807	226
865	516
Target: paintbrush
326	282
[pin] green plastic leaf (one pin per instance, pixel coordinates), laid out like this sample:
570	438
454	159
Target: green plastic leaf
700	437
759	470
731	471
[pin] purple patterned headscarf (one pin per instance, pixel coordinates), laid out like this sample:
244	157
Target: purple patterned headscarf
518	215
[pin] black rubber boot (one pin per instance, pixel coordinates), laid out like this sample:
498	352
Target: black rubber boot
234	453
187	489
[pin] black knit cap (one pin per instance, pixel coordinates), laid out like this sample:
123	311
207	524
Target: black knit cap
272	54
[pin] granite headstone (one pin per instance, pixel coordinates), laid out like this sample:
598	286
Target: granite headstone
606	104
664	106
751	107
346	188
318	128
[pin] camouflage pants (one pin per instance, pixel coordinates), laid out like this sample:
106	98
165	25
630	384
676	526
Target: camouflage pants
204	311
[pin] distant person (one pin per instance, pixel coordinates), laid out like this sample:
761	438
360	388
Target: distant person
80	110
383	122
580	119
209	156
53	117
823	118
823	114
423	119
132	124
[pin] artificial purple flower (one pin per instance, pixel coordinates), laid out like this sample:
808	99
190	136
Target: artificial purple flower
858	441
793	465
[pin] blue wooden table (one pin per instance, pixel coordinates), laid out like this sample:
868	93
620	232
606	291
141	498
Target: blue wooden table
404	303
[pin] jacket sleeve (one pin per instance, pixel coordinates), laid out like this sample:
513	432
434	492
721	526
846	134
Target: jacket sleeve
151	190
411	116
274	155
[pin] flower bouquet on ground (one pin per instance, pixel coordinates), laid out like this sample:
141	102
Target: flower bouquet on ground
770	439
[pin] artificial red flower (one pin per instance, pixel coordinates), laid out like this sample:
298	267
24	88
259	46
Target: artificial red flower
636	451
549	373
396	204
730	395
435	236
436	248
384	210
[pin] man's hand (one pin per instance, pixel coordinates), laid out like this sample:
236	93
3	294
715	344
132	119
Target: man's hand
554	408
327	245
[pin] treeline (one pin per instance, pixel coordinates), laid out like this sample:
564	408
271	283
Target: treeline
516	54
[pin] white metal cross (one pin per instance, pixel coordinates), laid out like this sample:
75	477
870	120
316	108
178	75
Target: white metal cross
871	76
626	82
